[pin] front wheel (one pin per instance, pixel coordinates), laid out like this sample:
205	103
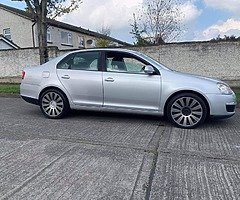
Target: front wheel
186	110
54	104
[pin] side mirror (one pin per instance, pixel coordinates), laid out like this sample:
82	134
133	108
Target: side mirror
149	70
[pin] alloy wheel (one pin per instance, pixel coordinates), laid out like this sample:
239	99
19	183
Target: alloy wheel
187	111
52	104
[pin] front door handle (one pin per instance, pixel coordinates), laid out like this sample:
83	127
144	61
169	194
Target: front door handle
109	79
66	77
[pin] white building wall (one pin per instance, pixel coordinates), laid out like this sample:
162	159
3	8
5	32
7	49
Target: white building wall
57	41
20	27
22	35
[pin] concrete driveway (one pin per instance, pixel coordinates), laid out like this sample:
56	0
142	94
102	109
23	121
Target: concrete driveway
91	155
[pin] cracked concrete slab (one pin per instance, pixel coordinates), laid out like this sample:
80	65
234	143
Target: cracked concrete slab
184	177
220	138
7	146
202	163
27	161
91	155
107	154
26	121
45	169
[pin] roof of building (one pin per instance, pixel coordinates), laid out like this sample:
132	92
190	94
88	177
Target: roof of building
9	42
63	25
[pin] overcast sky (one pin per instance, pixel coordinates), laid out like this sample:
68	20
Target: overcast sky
204	19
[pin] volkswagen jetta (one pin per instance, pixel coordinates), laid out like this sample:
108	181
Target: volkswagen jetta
121	80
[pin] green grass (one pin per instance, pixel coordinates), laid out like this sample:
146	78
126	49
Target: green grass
237	92
9	88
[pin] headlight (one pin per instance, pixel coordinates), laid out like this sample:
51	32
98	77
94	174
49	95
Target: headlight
224	89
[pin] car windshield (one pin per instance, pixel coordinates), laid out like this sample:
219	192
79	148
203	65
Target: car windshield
152	60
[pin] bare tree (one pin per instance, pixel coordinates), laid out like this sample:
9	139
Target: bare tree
105	30
137	33
104	42
159	21
41	9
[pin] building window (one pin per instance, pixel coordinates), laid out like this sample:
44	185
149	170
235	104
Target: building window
81	41
91	43
7	33
49	35
66	38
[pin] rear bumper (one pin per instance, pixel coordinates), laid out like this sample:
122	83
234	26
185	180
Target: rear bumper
30	100
29	90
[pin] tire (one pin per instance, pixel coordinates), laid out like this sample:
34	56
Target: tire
187	110
54	104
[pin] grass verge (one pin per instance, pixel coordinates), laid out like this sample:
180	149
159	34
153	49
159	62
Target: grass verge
237	92
9	88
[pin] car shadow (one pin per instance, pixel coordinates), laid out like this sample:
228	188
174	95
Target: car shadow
115	116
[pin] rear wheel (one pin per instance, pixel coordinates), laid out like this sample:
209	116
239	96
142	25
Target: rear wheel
186	110
54	104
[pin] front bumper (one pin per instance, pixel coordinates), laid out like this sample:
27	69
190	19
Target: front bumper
222	106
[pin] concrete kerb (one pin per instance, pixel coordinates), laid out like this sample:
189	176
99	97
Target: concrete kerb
10	95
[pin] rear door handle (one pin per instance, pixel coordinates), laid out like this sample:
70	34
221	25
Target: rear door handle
66	77
109	79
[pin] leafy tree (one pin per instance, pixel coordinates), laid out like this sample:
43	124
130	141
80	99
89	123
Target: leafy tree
101	42
158	21
41	9
225	38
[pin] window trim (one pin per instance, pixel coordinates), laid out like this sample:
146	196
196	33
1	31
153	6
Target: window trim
7	35
49	32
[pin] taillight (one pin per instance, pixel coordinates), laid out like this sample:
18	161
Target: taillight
23	74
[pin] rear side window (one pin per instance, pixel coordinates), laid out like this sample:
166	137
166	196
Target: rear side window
80	61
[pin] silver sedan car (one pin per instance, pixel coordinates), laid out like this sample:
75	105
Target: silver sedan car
119	80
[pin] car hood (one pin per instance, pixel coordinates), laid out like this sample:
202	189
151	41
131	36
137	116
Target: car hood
194	77
183	81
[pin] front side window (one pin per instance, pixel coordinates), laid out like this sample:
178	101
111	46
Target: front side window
7	33
121	62
66	38
80	61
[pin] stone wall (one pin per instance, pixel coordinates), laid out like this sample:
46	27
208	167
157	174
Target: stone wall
12	62
214	59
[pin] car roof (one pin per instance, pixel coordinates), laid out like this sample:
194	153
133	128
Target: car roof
57	59
105	49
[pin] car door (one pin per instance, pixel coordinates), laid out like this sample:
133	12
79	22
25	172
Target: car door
79	74
127	86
